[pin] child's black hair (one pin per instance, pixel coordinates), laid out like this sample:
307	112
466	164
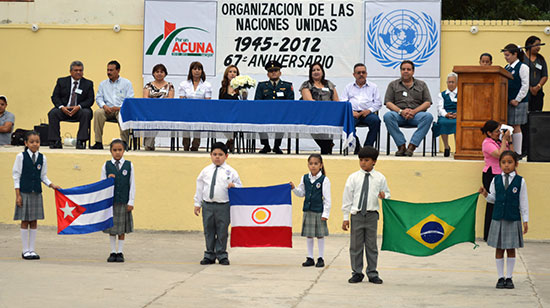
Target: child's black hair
368	152
219	145
514	49
486	54
320	158
489	126
513	154
31	133
117	141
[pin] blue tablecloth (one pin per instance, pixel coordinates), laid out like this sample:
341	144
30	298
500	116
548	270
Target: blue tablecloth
294	118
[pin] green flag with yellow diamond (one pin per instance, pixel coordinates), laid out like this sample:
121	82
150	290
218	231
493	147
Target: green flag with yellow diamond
424	229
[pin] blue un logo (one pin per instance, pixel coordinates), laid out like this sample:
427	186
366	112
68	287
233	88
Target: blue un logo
402	35
432	232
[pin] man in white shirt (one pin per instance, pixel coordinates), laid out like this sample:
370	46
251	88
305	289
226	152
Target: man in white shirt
110	96
365	101
361	193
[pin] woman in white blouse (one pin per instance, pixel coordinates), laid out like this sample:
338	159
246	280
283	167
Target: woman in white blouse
195	87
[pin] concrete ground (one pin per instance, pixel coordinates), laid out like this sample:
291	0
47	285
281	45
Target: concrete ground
162	270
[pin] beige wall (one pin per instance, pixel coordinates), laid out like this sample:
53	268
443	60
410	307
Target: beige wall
164	191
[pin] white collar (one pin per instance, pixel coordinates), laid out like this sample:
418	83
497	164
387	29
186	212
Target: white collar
454	92
73	80
221	166
363	171
365	85
315	177
513	65
30	152
122	160
512	174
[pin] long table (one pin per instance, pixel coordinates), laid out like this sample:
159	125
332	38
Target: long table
292	119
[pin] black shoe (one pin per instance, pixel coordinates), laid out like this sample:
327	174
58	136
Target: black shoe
501	283
112	257
375	280
356	278
119	257
80	145
447	152
26	256
320	262
224	261
509	284
207	261
309	262
265	150
97	146
34	255
277	150
522	156
56	145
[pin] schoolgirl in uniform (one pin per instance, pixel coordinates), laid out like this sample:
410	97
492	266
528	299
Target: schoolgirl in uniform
29	170
315	187
508	192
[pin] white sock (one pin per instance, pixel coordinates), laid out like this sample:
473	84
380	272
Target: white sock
321	243
120	245
510	262
113	243
500	267
32	239
25	239
309	241
517	140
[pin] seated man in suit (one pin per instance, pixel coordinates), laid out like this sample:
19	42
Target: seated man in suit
73	97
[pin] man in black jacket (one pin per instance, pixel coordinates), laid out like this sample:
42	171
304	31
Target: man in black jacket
73	97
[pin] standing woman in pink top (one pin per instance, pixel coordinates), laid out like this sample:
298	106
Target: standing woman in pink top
492	147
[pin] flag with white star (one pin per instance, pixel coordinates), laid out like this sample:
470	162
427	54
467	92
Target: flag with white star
85	209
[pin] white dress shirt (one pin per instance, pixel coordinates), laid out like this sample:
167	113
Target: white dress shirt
352	192
112	93
71	95
187	90
18	169
132	195
225	175
441	102
300	191
362	98
524	75
523	200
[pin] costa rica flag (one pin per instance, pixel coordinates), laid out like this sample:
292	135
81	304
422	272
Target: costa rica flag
261	216
85	209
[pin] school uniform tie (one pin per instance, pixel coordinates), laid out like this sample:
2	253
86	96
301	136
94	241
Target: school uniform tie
73	94
364	195
213	184
506	180
117	165
34	158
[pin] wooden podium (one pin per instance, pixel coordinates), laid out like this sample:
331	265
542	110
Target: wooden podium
482	96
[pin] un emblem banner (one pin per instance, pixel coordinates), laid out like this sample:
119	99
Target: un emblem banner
424	229
397	31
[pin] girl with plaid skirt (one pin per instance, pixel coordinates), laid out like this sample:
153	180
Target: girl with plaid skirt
508	192
123	172
315	187
518	92
29	170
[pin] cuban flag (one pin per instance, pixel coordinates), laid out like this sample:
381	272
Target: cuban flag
261	216
85	209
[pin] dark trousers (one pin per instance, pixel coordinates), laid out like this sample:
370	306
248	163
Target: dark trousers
535	104
325	145
215	221
373	123
487	178
265	142
363	237
83	116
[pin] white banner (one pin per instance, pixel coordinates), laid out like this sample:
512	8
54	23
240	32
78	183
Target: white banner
397	31
177	33
296	33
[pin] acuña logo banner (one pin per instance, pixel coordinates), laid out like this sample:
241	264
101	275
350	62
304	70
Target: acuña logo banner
177	33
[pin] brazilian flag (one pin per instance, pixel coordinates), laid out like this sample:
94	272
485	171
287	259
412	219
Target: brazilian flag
424	229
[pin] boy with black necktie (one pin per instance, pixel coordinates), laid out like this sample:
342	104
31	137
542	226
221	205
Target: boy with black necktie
212	196
361	193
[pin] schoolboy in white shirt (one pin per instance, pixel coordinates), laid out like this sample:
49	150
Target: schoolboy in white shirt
361	193
212	196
